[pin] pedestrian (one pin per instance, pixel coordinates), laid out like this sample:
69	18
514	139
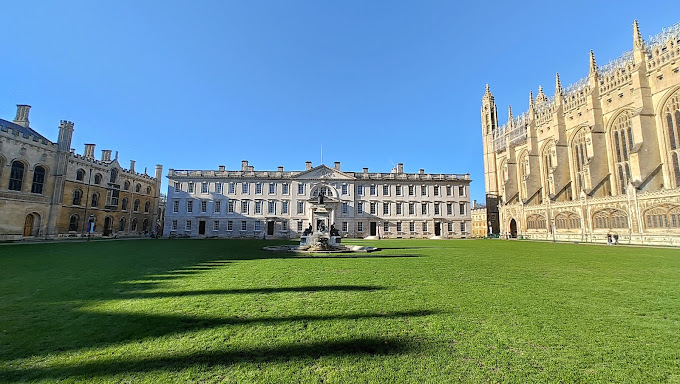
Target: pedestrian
616	239
609	239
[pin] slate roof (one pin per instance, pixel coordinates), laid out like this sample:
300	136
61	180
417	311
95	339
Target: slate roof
4	125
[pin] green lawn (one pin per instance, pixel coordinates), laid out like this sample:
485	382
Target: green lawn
417	311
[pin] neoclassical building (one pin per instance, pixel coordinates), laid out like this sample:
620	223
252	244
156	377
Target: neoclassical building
600	157
49	191
480	227
250	203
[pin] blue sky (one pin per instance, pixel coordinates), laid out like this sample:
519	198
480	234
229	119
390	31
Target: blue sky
194	85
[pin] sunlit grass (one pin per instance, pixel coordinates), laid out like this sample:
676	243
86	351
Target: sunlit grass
417	311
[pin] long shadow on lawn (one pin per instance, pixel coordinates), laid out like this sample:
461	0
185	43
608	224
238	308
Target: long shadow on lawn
222	358
246	291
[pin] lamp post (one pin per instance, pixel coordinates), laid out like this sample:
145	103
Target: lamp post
90	226
87	198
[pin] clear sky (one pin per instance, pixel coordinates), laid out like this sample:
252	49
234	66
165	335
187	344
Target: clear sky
197	84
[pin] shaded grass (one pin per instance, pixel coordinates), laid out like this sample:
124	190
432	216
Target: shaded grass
424	311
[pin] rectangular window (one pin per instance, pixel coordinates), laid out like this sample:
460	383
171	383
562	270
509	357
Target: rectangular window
216	225
386	227
411	190
204	206
284	188
449	209
174	225
461	190
244	225
462	227
244	188
398	191
299	225
272	188
204	187
230	206
258	225
372	208
386	190
218	188
178	186
399	226
301	189
301	207
191	187
175	206
344	226
360	207
345	208
423	190
398	208
190	206
284	207
230	225
412	227
344	189
436	190
411	208
425	226
360	227
450	225
258	207
386	208
423	208
360	190
232	188
448	190
272	207
258	188
436	208
462	208
374	192
284	225
188	225
218	206
244	207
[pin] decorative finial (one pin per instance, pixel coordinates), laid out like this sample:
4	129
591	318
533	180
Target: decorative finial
638	42
558	84
531	99
540	91
593	64
509	113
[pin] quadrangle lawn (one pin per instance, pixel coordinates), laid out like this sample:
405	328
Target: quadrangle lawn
422	311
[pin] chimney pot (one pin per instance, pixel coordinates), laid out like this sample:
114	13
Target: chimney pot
132	166
89	151
22	115
308	165
106	155
400	167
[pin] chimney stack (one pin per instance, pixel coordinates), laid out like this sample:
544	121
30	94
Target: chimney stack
106	155
365	171
400	167
337	166
132	166
421	171
89	151
221	168
308	165
22	115
159	174
244	165
280	168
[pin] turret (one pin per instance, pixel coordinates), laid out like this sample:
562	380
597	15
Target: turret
639	50
559	91
489	126
65	136
489	115
593	74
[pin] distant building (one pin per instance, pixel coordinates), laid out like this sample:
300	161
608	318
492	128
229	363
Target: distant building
599	158
249	203
49	191
480	226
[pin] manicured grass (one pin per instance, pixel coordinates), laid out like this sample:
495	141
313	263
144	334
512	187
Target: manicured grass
417	311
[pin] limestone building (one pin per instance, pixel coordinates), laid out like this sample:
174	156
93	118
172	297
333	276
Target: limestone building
49	191
250	203
600	157
480	227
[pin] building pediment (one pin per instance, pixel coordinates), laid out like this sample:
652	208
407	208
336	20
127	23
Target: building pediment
323	172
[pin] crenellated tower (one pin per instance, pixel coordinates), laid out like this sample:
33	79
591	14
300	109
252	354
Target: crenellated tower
489	126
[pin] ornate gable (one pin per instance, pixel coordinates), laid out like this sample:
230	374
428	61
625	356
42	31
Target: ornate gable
323	172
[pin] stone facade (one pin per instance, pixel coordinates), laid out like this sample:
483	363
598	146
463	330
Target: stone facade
249	203
480	227
600	157
49	191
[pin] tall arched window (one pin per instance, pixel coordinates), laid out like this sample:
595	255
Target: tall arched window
610	219
138	188
547	160
38	180
671	119
114	175
622	140
16	176
146	207
126	186
121	224
95	200
663	217
77	195
124	204
148	190
579	156
523	164
133	225
98	178
136	206
80	175
145	224
73	223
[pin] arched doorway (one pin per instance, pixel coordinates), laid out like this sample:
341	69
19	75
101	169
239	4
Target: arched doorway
513	229
108	222
32	225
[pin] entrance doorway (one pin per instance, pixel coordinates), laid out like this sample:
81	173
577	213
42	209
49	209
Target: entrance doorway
28	225
270	228
373	228
513	229
201	227
108	222
437	228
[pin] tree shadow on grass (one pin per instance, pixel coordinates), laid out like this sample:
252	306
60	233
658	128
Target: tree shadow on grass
245	291
351	256
221	358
